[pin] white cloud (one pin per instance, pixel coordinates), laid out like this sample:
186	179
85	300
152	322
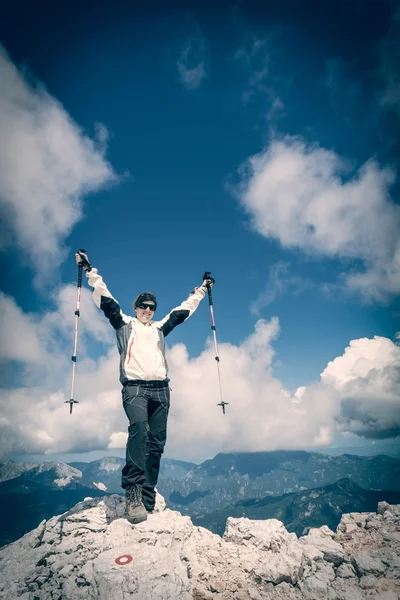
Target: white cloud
360	358
307	197
279	280
191	62
255	56
261	414
391	95
18	334
46	165
388	71
367	377
357	393
43	345
36	421
118	440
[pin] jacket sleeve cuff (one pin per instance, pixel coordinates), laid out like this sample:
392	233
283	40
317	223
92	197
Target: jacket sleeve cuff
93	271
202	291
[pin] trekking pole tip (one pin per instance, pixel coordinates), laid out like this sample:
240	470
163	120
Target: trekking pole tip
222	404
71	403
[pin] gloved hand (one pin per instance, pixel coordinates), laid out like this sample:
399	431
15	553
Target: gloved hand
82	260
208	281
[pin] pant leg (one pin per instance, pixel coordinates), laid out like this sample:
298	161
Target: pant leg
159	400
135	404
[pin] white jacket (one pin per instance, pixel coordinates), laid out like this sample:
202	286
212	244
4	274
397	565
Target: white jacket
141	347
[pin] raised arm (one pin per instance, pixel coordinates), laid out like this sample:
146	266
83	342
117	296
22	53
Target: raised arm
101	294
181	313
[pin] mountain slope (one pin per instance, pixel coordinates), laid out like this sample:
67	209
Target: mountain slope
228	478
56	473
31	492
21	511
37	493
28	491
302	510
107	471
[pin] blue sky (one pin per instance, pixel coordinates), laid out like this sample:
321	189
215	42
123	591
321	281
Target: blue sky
258	142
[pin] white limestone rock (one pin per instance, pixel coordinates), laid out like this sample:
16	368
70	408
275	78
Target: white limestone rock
264	535
283	567
368	582
314	588
345	571
91	552
322	540
369	563
280	553
389	595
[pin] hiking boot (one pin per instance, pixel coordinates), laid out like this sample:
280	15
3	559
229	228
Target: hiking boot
134	507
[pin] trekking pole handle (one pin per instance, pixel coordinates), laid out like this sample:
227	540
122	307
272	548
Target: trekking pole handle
80	269
207	275
83	264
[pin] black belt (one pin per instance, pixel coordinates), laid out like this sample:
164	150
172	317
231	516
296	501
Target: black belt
156	383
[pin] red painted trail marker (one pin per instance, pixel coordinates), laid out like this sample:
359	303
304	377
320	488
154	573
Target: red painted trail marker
124	559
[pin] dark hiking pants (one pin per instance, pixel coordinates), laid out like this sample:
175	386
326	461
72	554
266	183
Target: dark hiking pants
146	404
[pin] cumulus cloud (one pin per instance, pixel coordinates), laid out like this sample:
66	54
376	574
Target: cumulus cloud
356	392
360	358
117	440
15	326
43	344
47	163
308	197
367	378
261	414
191	62
34	418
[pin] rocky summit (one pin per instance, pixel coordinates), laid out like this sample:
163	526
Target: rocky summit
92	552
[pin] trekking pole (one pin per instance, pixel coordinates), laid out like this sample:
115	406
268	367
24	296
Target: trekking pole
71	401
207	275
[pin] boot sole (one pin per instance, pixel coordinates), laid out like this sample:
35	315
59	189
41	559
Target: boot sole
136	520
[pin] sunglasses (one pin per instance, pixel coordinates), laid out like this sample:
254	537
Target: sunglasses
144	305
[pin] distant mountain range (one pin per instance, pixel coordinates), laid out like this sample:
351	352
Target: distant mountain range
106	472
54	474
301	488
301	510
31	492
229	478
